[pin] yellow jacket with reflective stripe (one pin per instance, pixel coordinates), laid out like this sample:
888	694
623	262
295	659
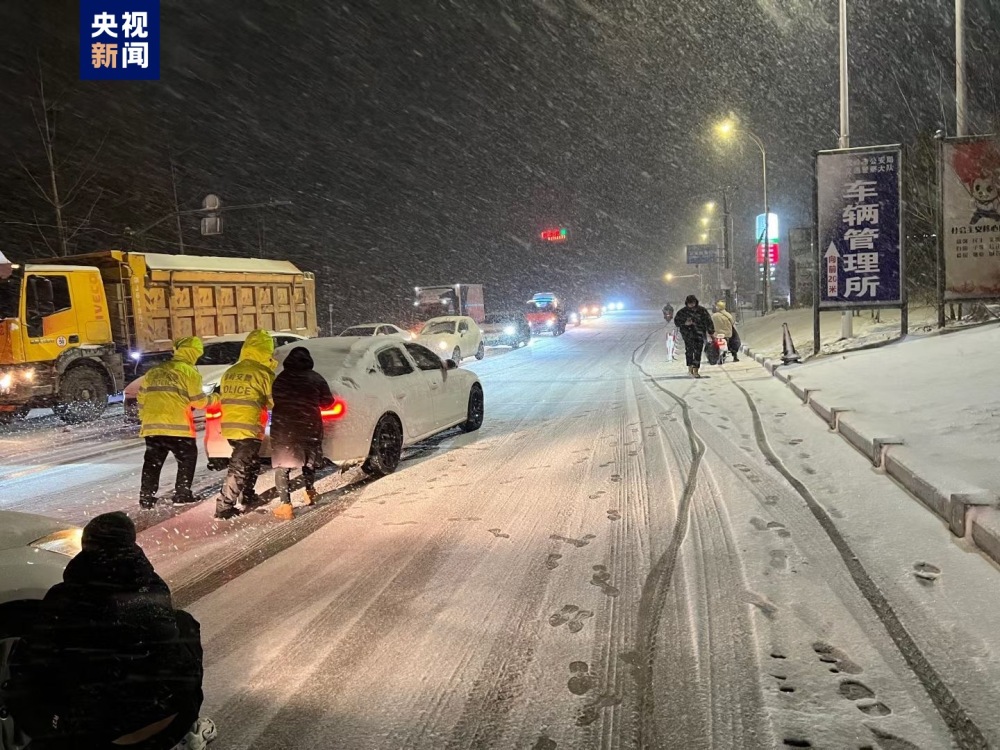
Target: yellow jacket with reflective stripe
170	391
246	389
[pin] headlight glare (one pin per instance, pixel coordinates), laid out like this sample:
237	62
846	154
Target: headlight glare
66	542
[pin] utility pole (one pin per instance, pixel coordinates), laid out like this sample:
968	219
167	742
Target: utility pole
177	205
329	310
961	83
727	250
846	321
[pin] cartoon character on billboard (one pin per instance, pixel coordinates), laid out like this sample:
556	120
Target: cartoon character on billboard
977	165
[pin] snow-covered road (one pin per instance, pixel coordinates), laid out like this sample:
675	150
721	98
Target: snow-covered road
622	557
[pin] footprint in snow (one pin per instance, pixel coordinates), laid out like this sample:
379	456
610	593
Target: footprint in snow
544	742
616	478
613	514
758	523
795	441
575	542
592	711
926	573
853	690
602	578
552	561
779	559
498	534
582	681
563	615
832	655
597	494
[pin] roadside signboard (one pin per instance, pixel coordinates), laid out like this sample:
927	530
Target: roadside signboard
859	249
702	255
970	236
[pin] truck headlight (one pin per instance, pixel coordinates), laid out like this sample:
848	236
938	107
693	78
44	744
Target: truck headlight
6	381
443	345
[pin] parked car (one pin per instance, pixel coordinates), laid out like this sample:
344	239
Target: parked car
34	551
221	353
388	394
377	329
506	329
453	337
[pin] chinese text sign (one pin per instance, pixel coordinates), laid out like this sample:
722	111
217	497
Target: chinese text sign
970	193
119	40
860	261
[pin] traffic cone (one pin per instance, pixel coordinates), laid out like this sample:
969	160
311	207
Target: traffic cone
788	353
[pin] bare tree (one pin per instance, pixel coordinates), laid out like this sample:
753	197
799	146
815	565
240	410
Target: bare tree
55	186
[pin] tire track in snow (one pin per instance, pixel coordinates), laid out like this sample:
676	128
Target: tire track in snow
964	730
710	602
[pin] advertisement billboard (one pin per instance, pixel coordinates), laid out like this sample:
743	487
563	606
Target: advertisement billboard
860	260
970	211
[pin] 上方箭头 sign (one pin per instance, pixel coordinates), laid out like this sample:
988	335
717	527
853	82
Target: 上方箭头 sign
970	197
860	259
119	40
702	255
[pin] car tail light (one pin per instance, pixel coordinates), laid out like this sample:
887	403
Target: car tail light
213	411
334	411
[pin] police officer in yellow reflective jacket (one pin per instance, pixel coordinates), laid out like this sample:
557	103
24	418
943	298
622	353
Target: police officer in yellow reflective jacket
246	398
168	394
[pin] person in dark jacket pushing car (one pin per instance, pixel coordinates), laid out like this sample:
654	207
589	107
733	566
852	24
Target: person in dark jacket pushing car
109	662
300	394
695	325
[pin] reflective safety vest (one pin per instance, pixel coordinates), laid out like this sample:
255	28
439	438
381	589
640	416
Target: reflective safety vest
169	392
246	389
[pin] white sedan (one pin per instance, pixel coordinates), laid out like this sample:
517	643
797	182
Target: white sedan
388	395
34	551
221	353
453	337
377	329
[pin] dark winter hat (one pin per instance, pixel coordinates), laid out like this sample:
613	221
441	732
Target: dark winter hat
298	359
109	531
690	299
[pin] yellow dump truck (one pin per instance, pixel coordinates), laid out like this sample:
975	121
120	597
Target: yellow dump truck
73	329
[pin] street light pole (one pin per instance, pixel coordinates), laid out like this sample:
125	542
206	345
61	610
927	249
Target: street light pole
767	222
727	250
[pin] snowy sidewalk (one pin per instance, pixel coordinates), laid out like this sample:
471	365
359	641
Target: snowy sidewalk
926	410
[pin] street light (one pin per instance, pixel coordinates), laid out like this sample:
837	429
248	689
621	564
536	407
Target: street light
704	236
704	221
710	206
729	127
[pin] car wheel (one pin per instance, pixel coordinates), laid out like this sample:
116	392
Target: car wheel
17	620
83	396
474	417
481	351
386	448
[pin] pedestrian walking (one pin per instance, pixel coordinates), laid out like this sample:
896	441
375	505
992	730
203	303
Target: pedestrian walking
300	393
695	325
246	396
168	394
108	661
725	324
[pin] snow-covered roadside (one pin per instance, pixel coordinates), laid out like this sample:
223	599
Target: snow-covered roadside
927	409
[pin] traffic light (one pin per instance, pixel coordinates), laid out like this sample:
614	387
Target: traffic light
555	235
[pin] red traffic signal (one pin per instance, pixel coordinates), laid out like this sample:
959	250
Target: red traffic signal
555	235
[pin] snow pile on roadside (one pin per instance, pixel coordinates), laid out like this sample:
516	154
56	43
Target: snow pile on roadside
763	335
937	393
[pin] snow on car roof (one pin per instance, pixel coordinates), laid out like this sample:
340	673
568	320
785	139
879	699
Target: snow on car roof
369	325
162	262
447	319
335	356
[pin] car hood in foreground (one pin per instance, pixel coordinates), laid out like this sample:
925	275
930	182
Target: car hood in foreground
21	529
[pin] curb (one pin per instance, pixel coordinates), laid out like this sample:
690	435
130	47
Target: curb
973	515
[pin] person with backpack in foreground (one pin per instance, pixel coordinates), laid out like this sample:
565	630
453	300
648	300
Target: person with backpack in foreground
109	663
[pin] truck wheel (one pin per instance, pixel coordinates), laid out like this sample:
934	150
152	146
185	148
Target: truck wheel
386	448
481	351
83	396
